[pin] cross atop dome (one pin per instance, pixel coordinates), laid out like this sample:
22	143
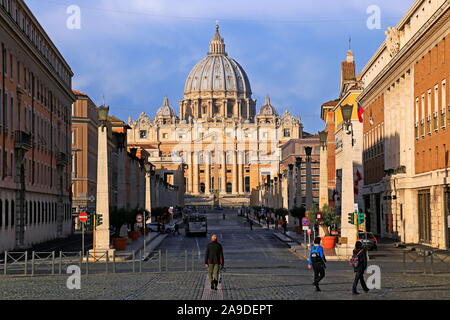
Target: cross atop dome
217	44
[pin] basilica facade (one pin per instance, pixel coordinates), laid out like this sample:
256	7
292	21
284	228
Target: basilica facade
219	149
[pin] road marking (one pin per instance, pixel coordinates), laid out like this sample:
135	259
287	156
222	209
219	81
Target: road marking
198	247
250	237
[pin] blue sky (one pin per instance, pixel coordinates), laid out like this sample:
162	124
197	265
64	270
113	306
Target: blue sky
135	52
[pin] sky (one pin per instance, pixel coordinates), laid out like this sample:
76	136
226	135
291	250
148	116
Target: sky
130	54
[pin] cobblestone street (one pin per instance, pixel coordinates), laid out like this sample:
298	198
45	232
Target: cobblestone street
258	267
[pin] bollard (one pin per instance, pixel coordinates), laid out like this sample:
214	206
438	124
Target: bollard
159	258
5	262
107	261
32	263
167	267
432	262
114	261
134	270
140	261
81	259
60	262
87	262
53	262
26	261
185	260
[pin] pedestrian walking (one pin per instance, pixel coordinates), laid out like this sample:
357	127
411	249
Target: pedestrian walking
251	224
223	216
177	229
268	222
359	263
214	261
317	261
285	226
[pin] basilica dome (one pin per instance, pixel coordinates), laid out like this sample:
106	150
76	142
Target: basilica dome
217	72
166	111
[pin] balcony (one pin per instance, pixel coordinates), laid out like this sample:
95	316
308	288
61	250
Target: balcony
22	140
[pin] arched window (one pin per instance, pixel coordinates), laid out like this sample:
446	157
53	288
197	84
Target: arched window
229	187
247	184
202	187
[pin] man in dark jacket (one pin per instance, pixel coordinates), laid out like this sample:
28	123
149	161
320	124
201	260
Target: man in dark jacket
214	260
361	253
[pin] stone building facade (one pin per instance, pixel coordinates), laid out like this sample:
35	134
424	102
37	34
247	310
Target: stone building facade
406	102
35	101
219	149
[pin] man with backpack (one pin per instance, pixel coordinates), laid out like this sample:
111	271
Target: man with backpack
317	260
214	261
359	264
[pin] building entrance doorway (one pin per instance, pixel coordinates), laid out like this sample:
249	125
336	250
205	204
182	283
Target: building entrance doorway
424	216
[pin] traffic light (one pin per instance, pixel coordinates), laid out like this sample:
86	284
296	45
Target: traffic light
351	218
99	219
360	217
89	219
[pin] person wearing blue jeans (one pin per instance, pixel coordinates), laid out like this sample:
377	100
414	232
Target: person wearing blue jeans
317	261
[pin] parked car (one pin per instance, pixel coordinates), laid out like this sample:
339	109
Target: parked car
154	227
368	239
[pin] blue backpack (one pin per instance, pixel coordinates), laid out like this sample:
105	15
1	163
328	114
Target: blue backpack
315	255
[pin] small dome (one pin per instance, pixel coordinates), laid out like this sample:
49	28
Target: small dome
166	111
268	109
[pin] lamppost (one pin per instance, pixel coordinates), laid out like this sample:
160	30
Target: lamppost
149	172
101	233
298	194
347	192
323	193
309	194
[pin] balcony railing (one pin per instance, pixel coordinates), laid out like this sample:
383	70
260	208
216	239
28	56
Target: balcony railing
22	140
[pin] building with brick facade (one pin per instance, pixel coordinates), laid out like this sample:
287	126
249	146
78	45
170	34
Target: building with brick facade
35	148
218	149
406	138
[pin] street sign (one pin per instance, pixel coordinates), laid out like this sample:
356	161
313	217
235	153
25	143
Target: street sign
83	216
91	198
356	207
309	231
139	218
305	221
171	210
305	228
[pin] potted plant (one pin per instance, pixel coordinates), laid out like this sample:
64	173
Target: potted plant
329	218
118	219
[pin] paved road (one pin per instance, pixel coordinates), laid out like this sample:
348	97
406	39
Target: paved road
258	266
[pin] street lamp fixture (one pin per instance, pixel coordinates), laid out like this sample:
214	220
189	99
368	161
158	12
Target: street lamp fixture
323	136
102	113
308	151
298	162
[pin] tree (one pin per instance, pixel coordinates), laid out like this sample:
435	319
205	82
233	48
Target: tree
330	219
298	212
117	218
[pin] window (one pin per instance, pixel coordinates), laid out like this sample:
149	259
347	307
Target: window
247	184
286	133
229	187
165	135
143	134
6	213
444	103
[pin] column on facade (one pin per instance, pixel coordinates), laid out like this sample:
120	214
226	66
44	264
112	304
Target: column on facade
190	172
234	188
224	107
223	184
207	156
195	183
241	180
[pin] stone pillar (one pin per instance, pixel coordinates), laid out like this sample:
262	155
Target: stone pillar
241	172
102	232
223	187
148	193
323	191
309	195
121	203
347	198
234	187
207	156
190	172
195	185
224	107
